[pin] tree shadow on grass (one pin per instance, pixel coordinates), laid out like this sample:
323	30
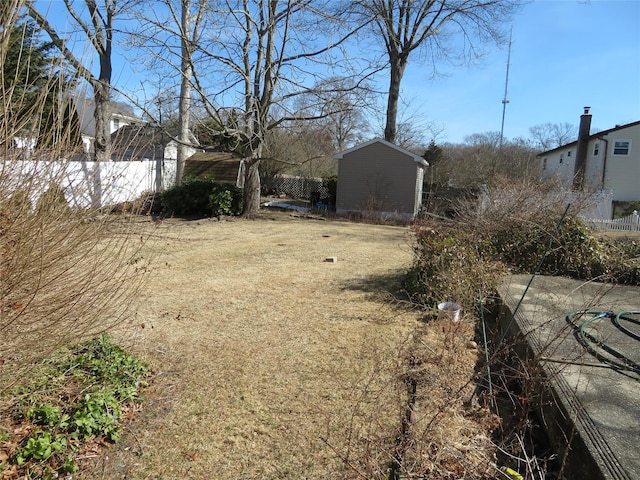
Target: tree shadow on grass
388	285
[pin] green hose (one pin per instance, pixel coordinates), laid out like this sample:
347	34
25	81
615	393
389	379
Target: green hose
596	346
616	321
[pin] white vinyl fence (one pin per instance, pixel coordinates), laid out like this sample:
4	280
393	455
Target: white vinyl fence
89	184
630	223
588	205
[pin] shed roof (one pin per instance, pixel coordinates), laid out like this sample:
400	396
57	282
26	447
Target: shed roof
416	158
140	136
220	166
135	142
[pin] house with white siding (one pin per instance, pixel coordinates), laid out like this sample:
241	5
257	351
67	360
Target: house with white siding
380	179
605	162
118	119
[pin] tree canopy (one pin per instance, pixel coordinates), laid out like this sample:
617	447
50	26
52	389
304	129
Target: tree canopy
33	88
26	71
410	27
96	22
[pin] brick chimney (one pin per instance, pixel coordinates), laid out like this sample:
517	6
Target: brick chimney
581	151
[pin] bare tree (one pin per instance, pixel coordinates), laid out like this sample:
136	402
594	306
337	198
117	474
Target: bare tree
488	139
190	21
481	159
268	52
99	33
407	26
329	118
345	122
299	148
165	39
162	107
551	135
340	107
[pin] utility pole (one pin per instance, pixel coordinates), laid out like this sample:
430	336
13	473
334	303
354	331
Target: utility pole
506	86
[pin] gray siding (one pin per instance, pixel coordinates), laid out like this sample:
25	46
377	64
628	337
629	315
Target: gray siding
377	178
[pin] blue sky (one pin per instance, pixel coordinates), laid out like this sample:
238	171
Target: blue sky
565	55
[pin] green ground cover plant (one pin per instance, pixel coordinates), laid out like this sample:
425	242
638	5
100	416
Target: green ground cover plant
74	402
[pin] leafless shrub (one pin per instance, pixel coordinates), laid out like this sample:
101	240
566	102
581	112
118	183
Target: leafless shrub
413	419
66	273
520	227
376	211
506	198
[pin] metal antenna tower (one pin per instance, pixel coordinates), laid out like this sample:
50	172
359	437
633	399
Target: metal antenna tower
506	85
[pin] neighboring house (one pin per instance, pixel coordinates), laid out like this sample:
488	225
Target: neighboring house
85	108
24	146
607	161
379	178
223	167
119	118
145	142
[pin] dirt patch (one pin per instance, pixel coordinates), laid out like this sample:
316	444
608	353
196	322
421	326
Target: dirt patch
271	362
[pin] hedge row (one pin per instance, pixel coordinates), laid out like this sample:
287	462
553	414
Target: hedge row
202	197
456	260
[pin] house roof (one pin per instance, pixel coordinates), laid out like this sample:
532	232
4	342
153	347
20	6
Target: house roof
416	158
137	142
220	166
140	135
590	137
86	106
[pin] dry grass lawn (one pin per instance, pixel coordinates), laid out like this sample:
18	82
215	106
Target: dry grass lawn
271	363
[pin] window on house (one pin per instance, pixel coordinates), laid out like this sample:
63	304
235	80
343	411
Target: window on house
569	153
544	164
621	147
561	155
116	123
596	149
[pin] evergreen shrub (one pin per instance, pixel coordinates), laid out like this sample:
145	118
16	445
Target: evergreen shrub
202	197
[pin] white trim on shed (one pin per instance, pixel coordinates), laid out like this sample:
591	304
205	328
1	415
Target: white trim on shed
379	178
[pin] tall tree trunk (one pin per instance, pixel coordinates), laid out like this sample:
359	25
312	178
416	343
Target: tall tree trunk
397	71
103	39
184	120
251	187
99	33
102	117
185	91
